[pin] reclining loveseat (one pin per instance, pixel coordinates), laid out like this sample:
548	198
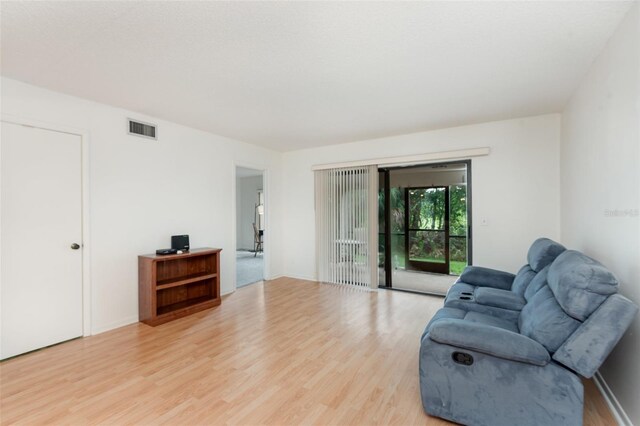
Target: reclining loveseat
499	293
517	358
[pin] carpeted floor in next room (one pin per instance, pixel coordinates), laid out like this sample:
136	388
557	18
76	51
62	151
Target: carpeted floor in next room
249	269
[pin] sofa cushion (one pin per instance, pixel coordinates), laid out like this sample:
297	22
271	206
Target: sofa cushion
522	280
492	321
539	281
542	252
500	298
442	314
580	283
543	320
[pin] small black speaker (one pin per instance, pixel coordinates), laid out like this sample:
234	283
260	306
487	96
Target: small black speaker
180	242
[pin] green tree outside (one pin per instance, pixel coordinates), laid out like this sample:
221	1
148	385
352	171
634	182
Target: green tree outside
428	216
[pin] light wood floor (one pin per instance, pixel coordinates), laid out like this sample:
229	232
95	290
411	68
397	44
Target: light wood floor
283	352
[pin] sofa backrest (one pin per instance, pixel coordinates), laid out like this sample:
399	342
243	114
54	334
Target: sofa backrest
576	314
543	319
537	283
522	280
542	253
580	283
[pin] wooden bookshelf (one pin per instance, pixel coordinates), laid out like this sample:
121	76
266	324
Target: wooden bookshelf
177	285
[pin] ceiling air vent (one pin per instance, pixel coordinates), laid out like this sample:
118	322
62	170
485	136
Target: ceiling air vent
145	130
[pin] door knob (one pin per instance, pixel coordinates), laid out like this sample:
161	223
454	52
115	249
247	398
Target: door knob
75	246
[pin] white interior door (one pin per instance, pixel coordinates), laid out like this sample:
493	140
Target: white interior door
41	218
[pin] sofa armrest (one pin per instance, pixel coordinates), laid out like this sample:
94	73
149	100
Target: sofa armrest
504	299
485	277
489	340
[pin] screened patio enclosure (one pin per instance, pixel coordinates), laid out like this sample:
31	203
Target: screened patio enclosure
424	231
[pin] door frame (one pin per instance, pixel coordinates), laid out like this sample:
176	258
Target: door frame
87	300
387	227
266	253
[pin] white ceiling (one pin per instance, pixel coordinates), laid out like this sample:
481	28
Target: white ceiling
291	75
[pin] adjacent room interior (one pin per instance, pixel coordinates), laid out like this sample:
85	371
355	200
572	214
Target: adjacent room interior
250	224
282	213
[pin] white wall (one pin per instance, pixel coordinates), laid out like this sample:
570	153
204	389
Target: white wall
600	163
515	188
247	195
144	191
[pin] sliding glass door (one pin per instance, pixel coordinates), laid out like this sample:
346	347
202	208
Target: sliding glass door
424	231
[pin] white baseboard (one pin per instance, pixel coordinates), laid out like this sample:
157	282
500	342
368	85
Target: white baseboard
300	277
615	407
274	277
114	325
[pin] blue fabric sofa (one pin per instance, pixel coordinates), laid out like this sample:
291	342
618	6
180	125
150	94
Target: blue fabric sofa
524	368
500	293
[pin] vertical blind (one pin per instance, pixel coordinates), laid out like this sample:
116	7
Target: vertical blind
346	205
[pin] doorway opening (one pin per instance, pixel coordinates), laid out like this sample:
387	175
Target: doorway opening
250	226
424	226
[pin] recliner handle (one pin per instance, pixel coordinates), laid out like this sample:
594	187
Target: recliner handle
462	358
